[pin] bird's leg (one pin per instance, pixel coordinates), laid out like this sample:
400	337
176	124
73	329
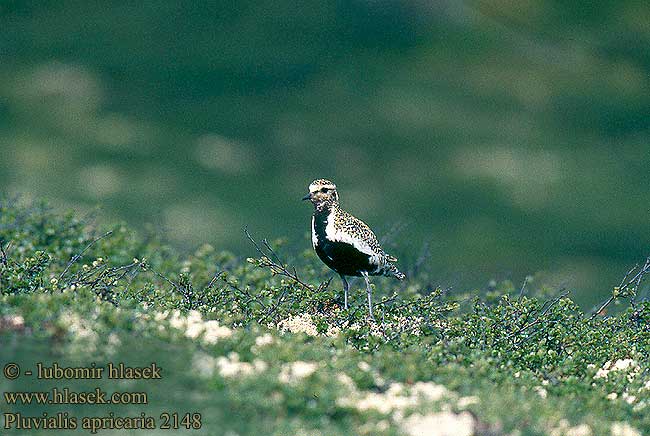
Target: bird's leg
369	289
345	290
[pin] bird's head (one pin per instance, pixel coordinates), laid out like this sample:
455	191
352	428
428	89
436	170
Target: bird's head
322	192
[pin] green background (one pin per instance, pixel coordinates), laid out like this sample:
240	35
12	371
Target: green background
512	137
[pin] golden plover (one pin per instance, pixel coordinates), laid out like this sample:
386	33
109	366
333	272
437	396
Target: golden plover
344	243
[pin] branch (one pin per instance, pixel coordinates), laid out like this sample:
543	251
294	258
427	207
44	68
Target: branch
214	279
77	256
3	253
272	261
245	292
272	309
102	279
186	292
631	284
522	290
646	266
546	307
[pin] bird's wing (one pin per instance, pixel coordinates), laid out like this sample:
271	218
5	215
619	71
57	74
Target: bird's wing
354	231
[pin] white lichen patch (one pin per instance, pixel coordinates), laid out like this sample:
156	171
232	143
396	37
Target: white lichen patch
542	392
629	399
579	430
624	429
263	340
347	382
296	371
411	325
80	329
364	366
396	398
374	427
113	342
226	366
12	322
439	424
298	324
204	365
194	327
629	365
375	328
630	369
230	366
399	401
564	428
213	332
465	402
84	338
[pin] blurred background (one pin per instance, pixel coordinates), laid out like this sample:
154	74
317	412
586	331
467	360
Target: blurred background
511	136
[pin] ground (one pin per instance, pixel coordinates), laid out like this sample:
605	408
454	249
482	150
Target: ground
262	345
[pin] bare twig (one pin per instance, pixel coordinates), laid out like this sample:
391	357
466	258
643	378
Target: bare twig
627	274
204	292
165	278
522	290
272	261
245	292
132	276
214	279
186	293
103	279
3	253
324	285
638	282
273	308
545	308
77	256
272	251
386	301
631	285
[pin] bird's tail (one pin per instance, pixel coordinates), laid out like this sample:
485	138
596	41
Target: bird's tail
392	271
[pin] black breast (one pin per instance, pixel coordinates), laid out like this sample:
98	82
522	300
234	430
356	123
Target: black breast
340	256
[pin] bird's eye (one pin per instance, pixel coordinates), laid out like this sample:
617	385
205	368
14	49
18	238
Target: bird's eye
324	189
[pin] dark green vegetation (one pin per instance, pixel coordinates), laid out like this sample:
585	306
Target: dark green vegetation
259	350
512	137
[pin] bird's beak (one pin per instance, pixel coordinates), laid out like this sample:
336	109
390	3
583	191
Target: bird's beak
307	197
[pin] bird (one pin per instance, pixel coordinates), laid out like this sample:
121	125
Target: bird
345	243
